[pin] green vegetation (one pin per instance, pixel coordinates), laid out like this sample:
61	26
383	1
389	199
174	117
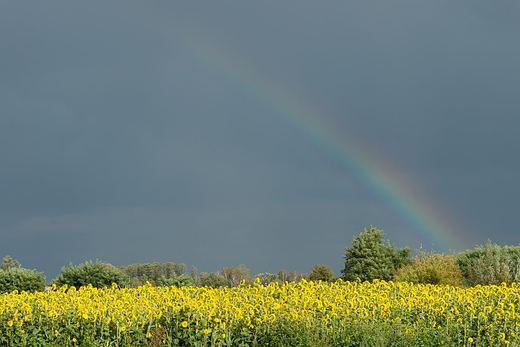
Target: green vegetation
450	293
235	275
14	277
21	280
490	264
176	281
370	259
321	273
367	259
9	263
98	274
432	268
154	273
212	280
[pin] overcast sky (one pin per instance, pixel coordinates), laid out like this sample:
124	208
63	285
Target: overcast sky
202	132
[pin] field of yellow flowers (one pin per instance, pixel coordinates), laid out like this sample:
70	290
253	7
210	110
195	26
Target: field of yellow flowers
304	314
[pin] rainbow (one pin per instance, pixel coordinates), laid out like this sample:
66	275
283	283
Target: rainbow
378	176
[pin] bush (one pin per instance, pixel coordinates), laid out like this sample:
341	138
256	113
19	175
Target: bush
432	268
16	278
98	274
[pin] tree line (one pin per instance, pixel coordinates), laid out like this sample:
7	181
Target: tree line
100	274
368	258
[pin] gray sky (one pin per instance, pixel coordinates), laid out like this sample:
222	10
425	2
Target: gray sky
202	132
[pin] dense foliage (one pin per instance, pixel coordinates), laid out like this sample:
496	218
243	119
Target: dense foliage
14	277
176	281
153	273
321	273
490	264
19	279
433	268
98	274
369	258
281	277
235	275
212	280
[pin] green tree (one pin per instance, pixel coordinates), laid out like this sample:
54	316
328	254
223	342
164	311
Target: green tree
98	274
177	281
146	273
369	258
281	277
321	273
9	263
490	264
152	272
212	280
137	274
16	278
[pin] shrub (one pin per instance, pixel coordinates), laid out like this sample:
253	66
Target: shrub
16	278
432	268
98	274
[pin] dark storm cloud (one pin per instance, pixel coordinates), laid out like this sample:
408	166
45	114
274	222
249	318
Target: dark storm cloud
119	144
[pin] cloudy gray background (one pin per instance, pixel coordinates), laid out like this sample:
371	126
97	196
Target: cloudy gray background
118	142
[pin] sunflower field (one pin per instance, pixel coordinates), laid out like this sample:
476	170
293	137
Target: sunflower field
341	313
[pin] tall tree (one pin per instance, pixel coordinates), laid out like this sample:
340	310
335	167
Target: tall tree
369	258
